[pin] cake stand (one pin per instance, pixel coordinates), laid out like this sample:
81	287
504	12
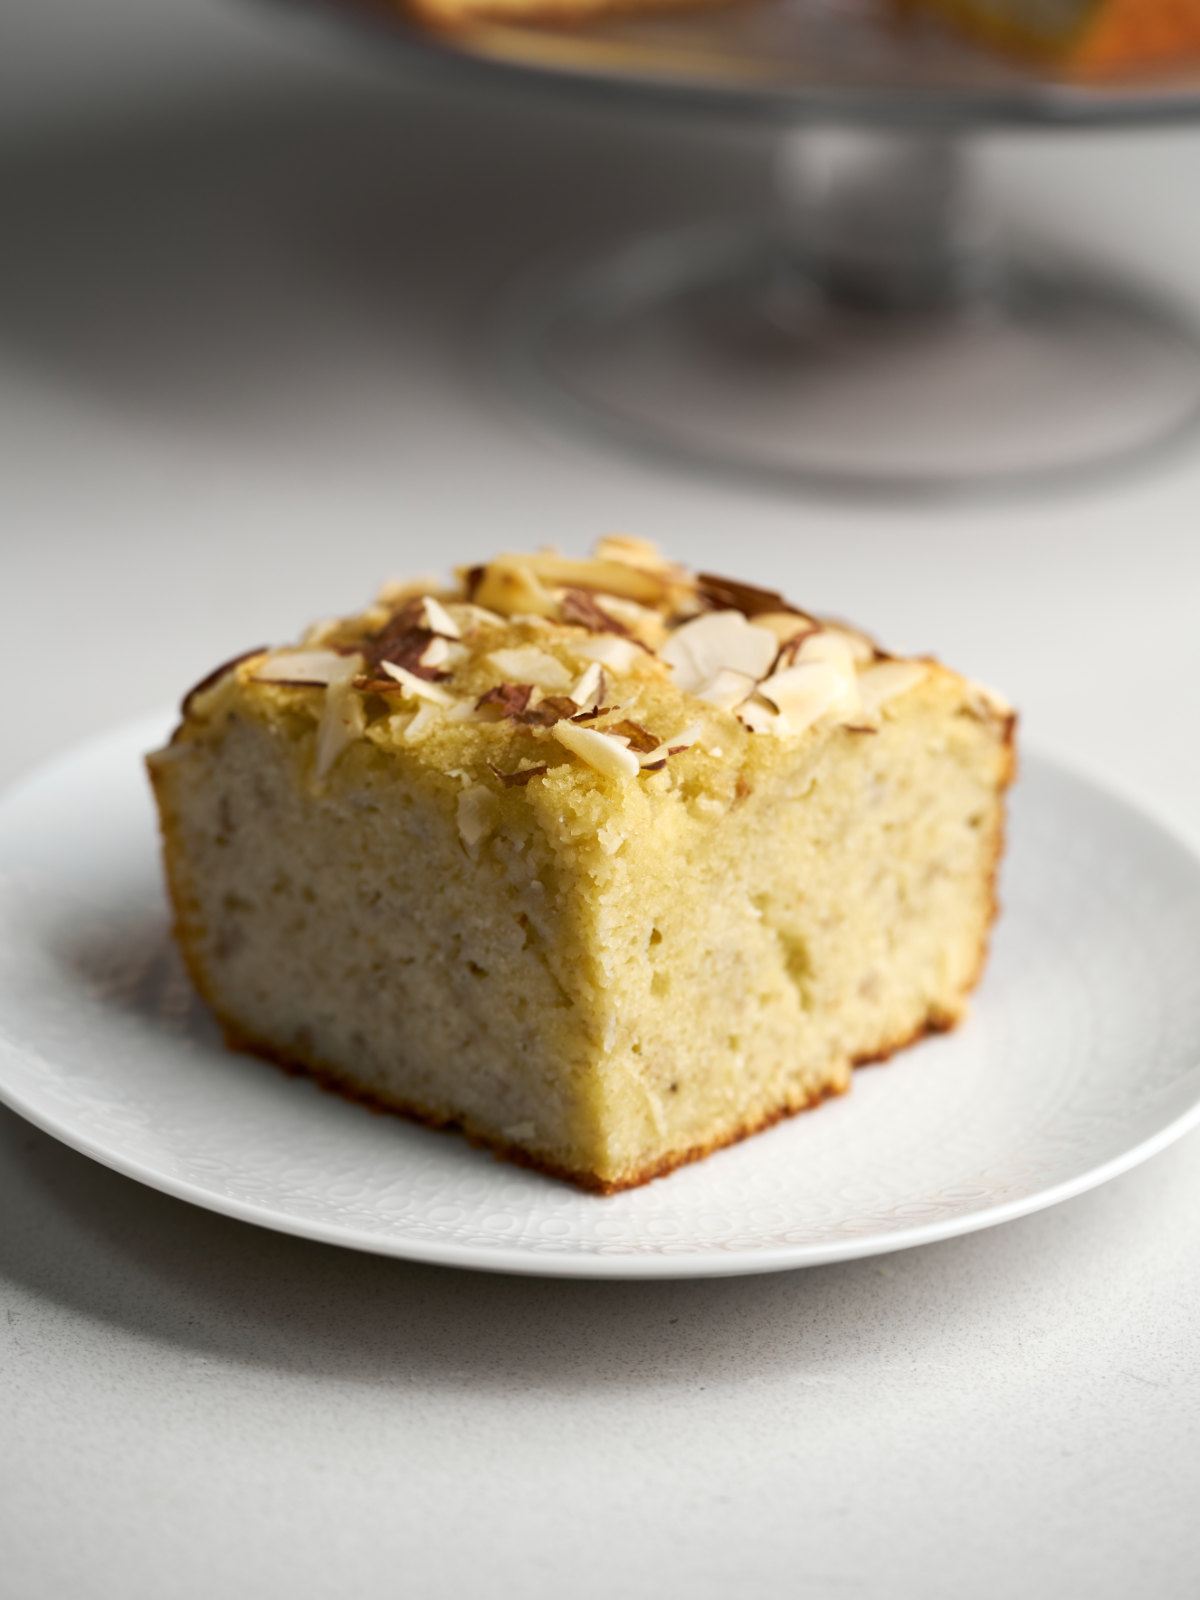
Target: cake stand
877	335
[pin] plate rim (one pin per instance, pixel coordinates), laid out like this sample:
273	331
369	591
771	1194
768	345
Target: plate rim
510	1261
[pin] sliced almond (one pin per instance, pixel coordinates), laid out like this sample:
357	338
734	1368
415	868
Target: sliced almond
805	693
886	680
421	688
606	577
527	664
861	648
727	688
587	692
510	585
683	740
615	653
438	619
436	653
469	616
633	552
342	717
317	667
828	645
786	625
607	753
426	717
698	650
759	717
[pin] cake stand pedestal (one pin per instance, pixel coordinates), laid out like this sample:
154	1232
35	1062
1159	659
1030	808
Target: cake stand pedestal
876	336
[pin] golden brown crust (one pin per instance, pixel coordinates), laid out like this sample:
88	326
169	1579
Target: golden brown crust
334	1081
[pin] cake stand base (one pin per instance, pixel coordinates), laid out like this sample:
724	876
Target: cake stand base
876	341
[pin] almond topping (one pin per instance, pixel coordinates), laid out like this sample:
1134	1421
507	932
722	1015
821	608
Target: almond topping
510	585
317	667
606	577
342	717
589	690
889	679
518	779
436	653
698	650
606	753
729	594
640	739
527	664
548	711
759	717
805	692
633	552
421	688
583	609
862	649
789	627
678	742
438	619
618	655
509	699
726	689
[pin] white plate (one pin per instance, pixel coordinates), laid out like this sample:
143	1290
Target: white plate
1082	1058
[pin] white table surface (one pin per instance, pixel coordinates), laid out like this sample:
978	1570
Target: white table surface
245	286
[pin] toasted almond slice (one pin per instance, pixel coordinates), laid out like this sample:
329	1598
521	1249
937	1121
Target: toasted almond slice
759	717
835	649
828	645
786	625
425	717
698	650
420	687
527	664
438	619
606	577
470	616
806	692
317	667
587	692
889	679
632	552
726	688
510	585
436	653
683	740
611	651
342	717
860	647
607	753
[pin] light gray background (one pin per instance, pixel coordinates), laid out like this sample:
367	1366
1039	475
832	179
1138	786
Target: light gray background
246	283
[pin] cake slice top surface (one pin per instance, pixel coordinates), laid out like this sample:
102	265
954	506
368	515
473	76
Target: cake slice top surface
577	675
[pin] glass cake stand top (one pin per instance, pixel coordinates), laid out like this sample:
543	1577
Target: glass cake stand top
875	335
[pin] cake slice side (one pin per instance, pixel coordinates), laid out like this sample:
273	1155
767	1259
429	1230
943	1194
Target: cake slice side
784	913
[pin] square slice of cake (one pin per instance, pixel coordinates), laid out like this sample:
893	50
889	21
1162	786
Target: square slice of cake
605	863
